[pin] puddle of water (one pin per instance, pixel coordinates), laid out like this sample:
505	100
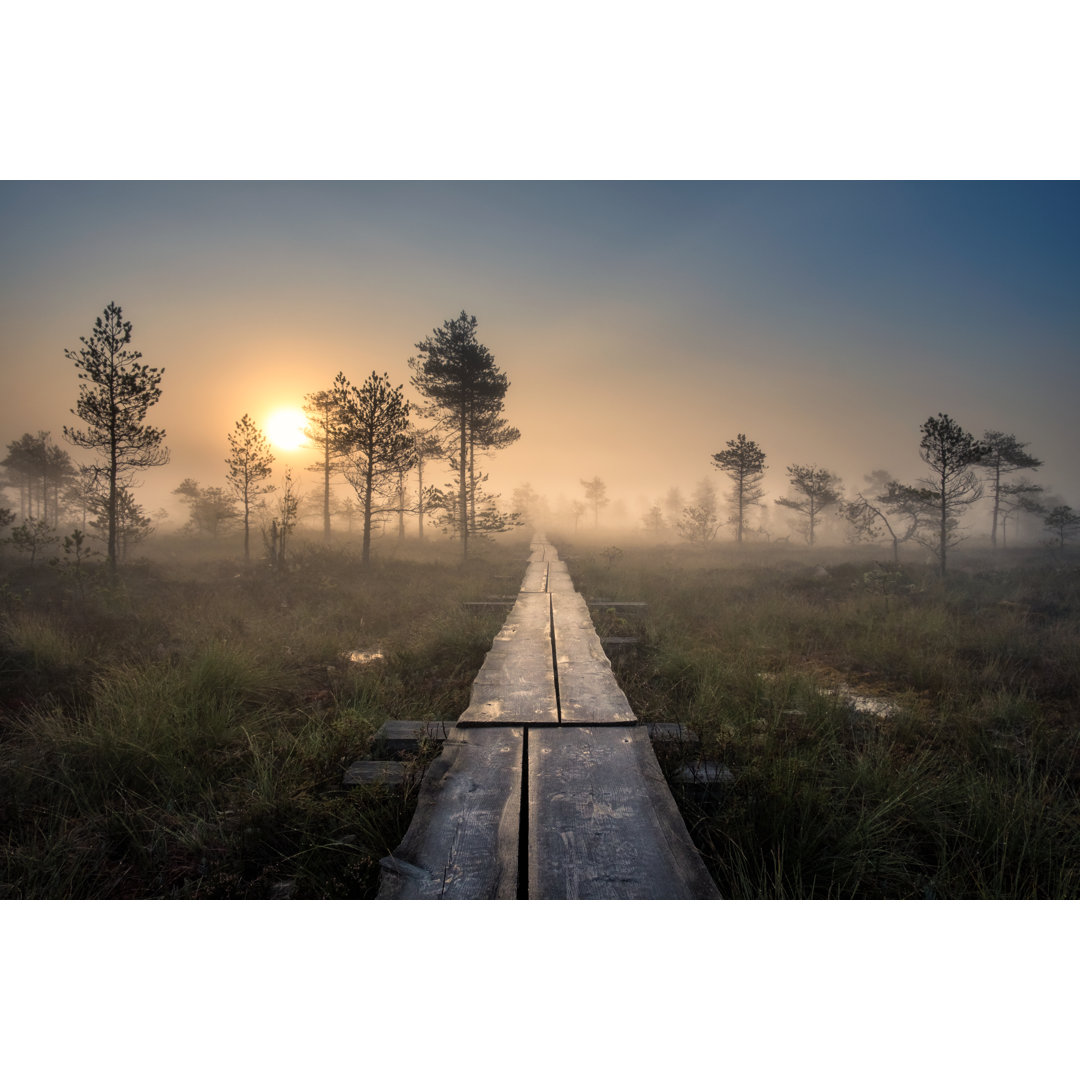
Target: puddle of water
863	703
874	706
359	656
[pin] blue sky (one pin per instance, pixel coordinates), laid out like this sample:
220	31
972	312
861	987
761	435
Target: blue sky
641	324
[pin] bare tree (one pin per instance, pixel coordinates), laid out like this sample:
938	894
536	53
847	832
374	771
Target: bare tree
116	394
744	462
249	463
819	489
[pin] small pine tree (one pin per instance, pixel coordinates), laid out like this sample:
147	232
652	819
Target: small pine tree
249	465
819	489
952	487
744	462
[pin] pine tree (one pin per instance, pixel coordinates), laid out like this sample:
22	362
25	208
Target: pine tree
458	376
116	394
819	489
249	463
374	442
744	462
595	496
1004	454
952	486
320	409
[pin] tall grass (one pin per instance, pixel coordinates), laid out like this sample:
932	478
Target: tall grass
967	790
184	733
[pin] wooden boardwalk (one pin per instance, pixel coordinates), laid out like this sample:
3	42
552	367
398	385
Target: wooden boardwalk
547	788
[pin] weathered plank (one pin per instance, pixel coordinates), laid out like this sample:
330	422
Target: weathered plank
703	773
677	733
399	736
462	843
390	773
602	822
588	692
559	578
516	684
536	576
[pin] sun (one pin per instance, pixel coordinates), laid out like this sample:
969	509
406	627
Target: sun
285	429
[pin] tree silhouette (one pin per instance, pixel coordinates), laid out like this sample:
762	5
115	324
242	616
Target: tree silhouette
895	508
595	496
249	463
1063	521
700	521
320	410
952	486
116	394
373	440
41	471
744	462
458	377
1004	454
819	489
211	509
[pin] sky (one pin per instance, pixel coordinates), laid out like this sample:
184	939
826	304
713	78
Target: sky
641	324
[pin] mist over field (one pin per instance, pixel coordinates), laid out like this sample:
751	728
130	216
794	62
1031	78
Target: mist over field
641	325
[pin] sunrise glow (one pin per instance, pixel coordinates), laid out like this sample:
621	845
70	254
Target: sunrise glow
285	429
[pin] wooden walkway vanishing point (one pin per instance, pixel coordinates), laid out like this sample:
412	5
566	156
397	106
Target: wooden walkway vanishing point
547	788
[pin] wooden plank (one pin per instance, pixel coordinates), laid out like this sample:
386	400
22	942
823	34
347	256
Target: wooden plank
390	773
602	824
559	578
516	684
462	843
677	733
588	692
703	773
402	736
535	580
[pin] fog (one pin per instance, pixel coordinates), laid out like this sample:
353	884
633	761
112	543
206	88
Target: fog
641	325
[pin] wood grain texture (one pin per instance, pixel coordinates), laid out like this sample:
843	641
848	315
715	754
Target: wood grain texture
588	691
401	736
536	575
390	773
559	578
462	843
602	822
516	684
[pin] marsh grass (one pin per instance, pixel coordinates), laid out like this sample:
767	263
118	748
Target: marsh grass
968	789
183	732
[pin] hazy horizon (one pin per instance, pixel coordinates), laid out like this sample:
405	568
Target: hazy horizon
641	325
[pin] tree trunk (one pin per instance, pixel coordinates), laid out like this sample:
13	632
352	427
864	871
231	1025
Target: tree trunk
463	508
326	490
420	495
944	532
997	502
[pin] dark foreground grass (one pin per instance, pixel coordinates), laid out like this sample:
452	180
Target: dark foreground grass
183	732
968	789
